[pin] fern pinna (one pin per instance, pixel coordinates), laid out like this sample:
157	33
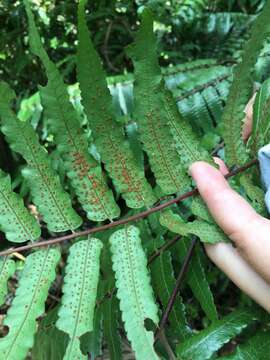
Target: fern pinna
141	133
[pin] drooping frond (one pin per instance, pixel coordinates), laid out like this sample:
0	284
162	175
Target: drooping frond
83	170
15	221
7	268
53	203
109	138
80	289
241	90
204	344
207	232
28	304
133	290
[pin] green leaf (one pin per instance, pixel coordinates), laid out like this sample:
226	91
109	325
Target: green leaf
204	344
241	90
52	201
208	233
15	221
133	290
50	342
80	289
260	121
28	304
83	170
109	138
150	113
256	348
7	268
196	279
163	280
110	327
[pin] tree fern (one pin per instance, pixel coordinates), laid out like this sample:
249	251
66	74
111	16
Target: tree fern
80	288
133	290
15	221
83	170
108	135
241	90
7	268
28	304
53	203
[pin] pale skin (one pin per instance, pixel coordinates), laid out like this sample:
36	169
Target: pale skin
247	260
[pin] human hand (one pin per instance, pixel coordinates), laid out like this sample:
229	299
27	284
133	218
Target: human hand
247	264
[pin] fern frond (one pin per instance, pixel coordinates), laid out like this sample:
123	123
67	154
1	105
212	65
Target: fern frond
15	221
241	90
208	233
260	122
76	313
28	304
204	344
7	268
149	113
52	202
109	138
133	290
83	170
148	76
110	324
163	280
196	278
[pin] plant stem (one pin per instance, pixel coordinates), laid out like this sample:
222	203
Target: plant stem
123	221
178	283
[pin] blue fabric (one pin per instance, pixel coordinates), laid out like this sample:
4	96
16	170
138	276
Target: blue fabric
264	161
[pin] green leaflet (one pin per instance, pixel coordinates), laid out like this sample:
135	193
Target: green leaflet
133	290
80	289
7	268
204	344
261	125
196	279
109	137
208	233
83	170
50	342
52	202
151	116
28	304
110	327
256	348
241	90
162	276
15	221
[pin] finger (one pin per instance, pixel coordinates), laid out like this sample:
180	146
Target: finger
226	257
235	216
222	167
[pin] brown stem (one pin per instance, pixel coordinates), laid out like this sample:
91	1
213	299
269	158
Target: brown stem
163	248
123	221
178	283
